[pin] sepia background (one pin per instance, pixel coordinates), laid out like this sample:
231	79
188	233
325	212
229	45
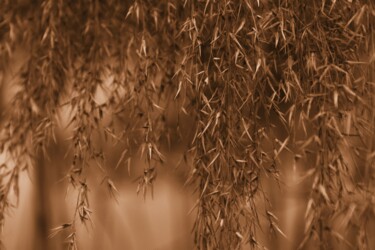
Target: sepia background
187	124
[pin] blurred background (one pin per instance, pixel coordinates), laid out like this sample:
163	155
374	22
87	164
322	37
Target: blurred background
126	220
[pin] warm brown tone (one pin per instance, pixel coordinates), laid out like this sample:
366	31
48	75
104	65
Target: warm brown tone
256	80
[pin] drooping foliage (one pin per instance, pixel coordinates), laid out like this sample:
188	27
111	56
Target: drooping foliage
240	69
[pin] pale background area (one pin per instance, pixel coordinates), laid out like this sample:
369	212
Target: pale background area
130	223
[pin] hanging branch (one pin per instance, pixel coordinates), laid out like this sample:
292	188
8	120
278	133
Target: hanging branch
241	70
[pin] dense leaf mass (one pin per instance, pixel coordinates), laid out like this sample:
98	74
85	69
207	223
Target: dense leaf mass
257	78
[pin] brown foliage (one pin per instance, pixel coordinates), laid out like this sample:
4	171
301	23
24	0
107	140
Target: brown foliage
238	68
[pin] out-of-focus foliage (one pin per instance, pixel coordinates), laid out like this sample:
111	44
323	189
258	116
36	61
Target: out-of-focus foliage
238	69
